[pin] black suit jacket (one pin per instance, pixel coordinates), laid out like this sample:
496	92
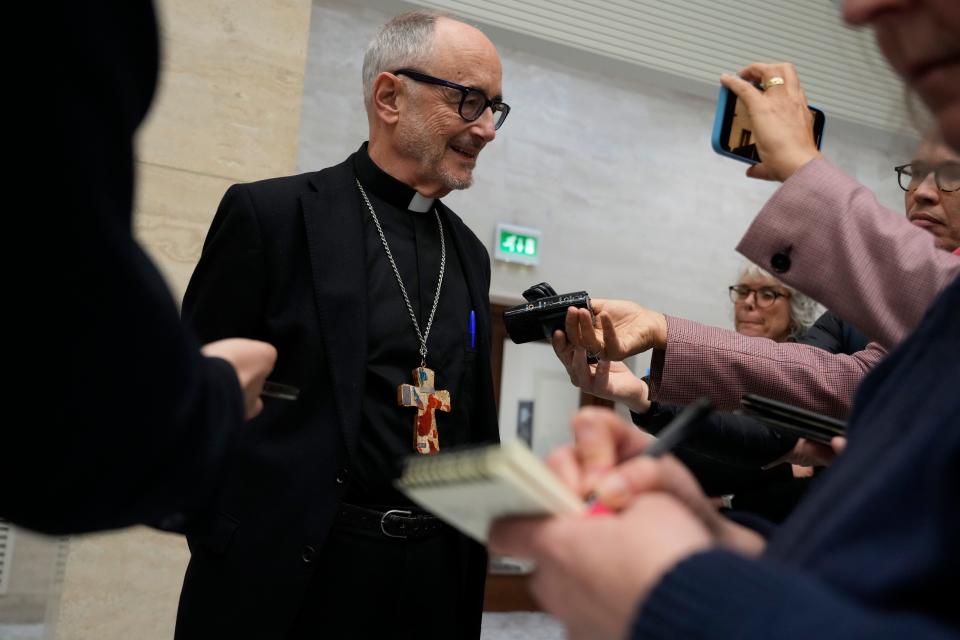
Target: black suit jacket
284	262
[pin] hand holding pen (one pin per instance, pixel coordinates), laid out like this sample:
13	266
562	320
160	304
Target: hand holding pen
613	463
593	571
252	361
603	440
614	490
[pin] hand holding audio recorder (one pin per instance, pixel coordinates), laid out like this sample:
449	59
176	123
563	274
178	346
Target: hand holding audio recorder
544	312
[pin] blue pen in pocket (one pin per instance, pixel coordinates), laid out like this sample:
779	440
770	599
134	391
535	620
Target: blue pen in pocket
473	329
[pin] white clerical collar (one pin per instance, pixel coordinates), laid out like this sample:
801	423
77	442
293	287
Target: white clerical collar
420	204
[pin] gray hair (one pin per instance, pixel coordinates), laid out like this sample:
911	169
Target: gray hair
405	41
804	310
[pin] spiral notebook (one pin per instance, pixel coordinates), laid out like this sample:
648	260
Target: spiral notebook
470	488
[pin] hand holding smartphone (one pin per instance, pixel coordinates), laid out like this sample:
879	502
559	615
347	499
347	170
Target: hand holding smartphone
763	118
733	128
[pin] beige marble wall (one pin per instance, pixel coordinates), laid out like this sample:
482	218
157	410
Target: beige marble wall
228	110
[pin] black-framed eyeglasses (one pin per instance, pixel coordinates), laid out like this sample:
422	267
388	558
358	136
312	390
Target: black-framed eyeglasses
473	102
765	296
946	175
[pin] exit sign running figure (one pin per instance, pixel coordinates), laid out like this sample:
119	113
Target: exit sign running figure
517	244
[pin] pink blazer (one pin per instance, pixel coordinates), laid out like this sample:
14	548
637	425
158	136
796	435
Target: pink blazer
825	234
866	263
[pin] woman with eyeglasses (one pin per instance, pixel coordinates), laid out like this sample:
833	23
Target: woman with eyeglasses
764	307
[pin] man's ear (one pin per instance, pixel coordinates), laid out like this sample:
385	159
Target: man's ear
386	96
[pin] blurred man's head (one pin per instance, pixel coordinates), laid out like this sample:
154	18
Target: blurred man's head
921	39
932	191
423	131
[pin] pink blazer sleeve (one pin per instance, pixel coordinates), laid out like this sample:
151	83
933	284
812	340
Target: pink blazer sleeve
704	360
825	234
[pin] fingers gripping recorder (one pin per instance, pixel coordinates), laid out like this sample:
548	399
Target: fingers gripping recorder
544	312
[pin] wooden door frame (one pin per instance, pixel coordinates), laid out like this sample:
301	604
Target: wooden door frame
511	592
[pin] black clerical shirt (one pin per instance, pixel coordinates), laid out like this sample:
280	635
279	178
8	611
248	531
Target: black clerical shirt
387	429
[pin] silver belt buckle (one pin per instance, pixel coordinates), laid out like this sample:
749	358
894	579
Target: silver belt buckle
384	519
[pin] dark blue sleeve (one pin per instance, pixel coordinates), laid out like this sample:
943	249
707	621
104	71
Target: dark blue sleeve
718	594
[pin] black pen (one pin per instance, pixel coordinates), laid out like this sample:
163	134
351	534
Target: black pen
680	427
279	391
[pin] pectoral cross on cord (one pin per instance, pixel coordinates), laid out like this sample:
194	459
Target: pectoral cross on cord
427	400
423	396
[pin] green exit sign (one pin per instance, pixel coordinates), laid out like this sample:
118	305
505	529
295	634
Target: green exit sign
517	244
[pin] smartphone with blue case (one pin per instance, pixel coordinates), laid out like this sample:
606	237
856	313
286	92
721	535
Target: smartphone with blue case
733	130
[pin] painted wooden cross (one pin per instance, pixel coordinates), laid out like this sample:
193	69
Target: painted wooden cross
427	400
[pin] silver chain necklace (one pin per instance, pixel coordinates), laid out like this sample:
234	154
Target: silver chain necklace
396	272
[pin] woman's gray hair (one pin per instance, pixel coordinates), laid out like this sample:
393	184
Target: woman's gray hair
405	41
804	310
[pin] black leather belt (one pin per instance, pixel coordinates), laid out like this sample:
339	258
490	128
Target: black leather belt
394	523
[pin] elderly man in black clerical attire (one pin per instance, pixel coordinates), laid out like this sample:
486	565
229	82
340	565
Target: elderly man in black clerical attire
375	295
